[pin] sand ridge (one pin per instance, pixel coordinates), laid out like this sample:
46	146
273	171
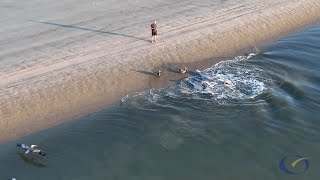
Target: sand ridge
67	60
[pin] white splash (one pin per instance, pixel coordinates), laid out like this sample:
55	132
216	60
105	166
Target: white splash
234	79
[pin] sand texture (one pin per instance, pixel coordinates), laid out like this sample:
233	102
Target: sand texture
63	59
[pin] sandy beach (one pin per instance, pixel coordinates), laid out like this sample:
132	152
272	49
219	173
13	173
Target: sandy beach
62	60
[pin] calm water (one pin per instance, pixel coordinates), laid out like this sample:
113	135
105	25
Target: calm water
236	131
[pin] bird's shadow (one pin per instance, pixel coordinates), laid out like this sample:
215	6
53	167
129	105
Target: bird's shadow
145	72
32	161
174	70
193	73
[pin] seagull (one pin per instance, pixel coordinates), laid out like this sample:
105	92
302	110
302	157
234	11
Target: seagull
206	84
227	82
183	70
32	148
159	73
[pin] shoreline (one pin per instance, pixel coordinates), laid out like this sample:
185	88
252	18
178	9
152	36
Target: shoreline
41	95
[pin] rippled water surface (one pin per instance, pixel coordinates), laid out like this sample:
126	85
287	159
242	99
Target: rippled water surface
235	120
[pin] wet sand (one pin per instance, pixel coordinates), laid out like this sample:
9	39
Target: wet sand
61	60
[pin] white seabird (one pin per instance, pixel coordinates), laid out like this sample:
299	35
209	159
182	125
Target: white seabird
32	148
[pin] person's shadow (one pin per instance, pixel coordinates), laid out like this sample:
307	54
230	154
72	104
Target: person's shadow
31	161
88	29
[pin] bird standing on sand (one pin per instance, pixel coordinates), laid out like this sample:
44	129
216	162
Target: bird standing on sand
32	149
183	70
159	73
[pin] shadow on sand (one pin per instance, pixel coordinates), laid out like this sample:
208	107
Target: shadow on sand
174	70
87	29
145	72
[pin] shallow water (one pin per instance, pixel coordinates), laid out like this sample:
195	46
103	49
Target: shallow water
199	128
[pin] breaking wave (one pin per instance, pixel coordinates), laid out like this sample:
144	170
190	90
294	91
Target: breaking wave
231	80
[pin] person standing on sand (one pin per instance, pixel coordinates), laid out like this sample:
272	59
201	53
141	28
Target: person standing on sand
154	32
